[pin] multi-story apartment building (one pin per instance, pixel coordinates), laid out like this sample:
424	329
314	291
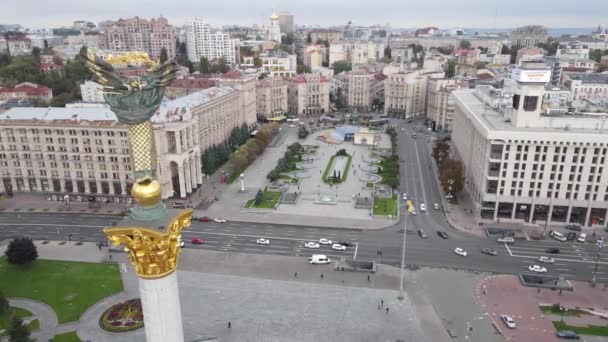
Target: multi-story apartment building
587	87
26	90
405	92
246	87
84	151
440	105
466	59
17	43
274	64
308	94
528	36
202	42
493	44
331	36
572	51
271	95
523	165
529	54
360	89
137	34
187	86
286	22
314	56
91	92
356	52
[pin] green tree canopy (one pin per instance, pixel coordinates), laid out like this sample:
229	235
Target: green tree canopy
21	251
340	66
3	303
17	331
203	65
164	55
465	44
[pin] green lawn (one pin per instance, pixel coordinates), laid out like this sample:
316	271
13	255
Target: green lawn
5	319
270	199
389	172
589	330
67	337
327	177
69	288
554	309
385	206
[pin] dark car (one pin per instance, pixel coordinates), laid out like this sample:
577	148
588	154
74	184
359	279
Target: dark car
346	244
552	250
444	235
567	334
574	227
571	236
204	219
489	251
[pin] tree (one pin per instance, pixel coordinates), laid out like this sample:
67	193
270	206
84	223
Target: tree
387	53
480	65
550	46
445	50
4	307
287	39
203	65
5	59
181	49
465	44
36	51
596	55
17	331
340	66
257	62
302	69
21	251
441	150
451	69
452	175
259	197
164	55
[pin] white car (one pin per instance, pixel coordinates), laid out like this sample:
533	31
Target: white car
262	241
220	220
311	245
405	196
537	269
582	238
325	241
546	260
338	247
414	212
422	207
509	322
402	129
436	206
460	252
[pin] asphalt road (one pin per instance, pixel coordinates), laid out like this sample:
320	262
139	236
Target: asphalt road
576	260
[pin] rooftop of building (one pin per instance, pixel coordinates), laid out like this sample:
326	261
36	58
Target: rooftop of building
589	78
305	78
96	115
31	89
168	110
193	83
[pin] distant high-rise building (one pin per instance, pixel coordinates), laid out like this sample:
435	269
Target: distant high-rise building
274	30
286	22
201	42
528	36
136	34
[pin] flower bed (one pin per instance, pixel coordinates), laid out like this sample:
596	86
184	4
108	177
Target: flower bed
123	317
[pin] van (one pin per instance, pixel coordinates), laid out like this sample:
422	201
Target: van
316	259
558	236
582	237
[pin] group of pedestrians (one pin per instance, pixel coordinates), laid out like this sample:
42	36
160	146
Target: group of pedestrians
381	306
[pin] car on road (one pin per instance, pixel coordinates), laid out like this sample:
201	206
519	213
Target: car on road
405	196
422	234
582	237
220	220
436	206
489	251
546	260
508	320
196	241
571	236
558	236
567	335
600	241
262	241
181	243
347	244
537	269
204	219
552	250
414	135
311	245
325	241
422	207
574	227
460	252
402	129
338	247
316	259
442	234
507	240
414	212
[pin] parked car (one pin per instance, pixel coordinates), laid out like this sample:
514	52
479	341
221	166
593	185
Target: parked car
325	241
196	241
537	269
338	247
442	234
262	241
509	322
179	205
204	219
582	237
347	244
571	236
600	241
567	335
220	220
552	250
558	236
422	234
316	259
574	227
414	212
489	251
311	245
546	260
460	252
507	240
422	207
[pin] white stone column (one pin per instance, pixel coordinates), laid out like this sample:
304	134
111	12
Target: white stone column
193	179
199	171
182	181
162	311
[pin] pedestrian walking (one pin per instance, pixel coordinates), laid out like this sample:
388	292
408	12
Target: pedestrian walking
110	256
381	302
322	275
368	278
387	310
229	325
295	275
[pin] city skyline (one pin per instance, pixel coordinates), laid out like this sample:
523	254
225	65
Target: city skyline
402	14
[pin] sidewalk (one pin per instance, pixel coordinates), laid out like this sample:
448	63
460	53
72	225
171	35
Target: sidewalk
39	203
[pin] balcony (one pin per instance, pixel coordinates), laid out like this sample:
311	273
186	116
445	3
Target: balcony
496	156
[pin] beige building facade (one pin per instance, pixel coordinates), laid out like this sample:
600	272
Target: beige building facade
308	94
359	90
440	105
271	95
405	92
138	34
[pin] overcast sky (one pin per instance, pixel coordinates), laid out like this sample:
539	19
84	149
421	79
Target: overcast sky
399	13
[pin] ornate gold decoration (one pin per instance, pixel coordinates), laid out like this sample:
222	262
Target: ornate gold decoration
131	58
152	253
141	143
146	191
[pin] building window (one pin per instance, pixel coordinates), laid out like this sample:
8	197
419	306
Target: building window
530	103
516	101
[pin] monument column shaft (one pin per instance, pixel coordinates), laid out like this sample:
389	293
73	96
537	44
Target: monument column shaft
162	311
143	150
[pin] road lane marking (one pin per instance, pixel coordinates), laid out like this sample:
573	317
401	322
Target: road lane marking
421	177
560	259
508	249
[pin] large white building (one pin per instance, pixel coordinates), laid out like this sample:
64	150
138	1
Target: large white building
586	87
356	52
528	36
440	105
202	42
308	94
274	64
523	164
91	92
405	92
